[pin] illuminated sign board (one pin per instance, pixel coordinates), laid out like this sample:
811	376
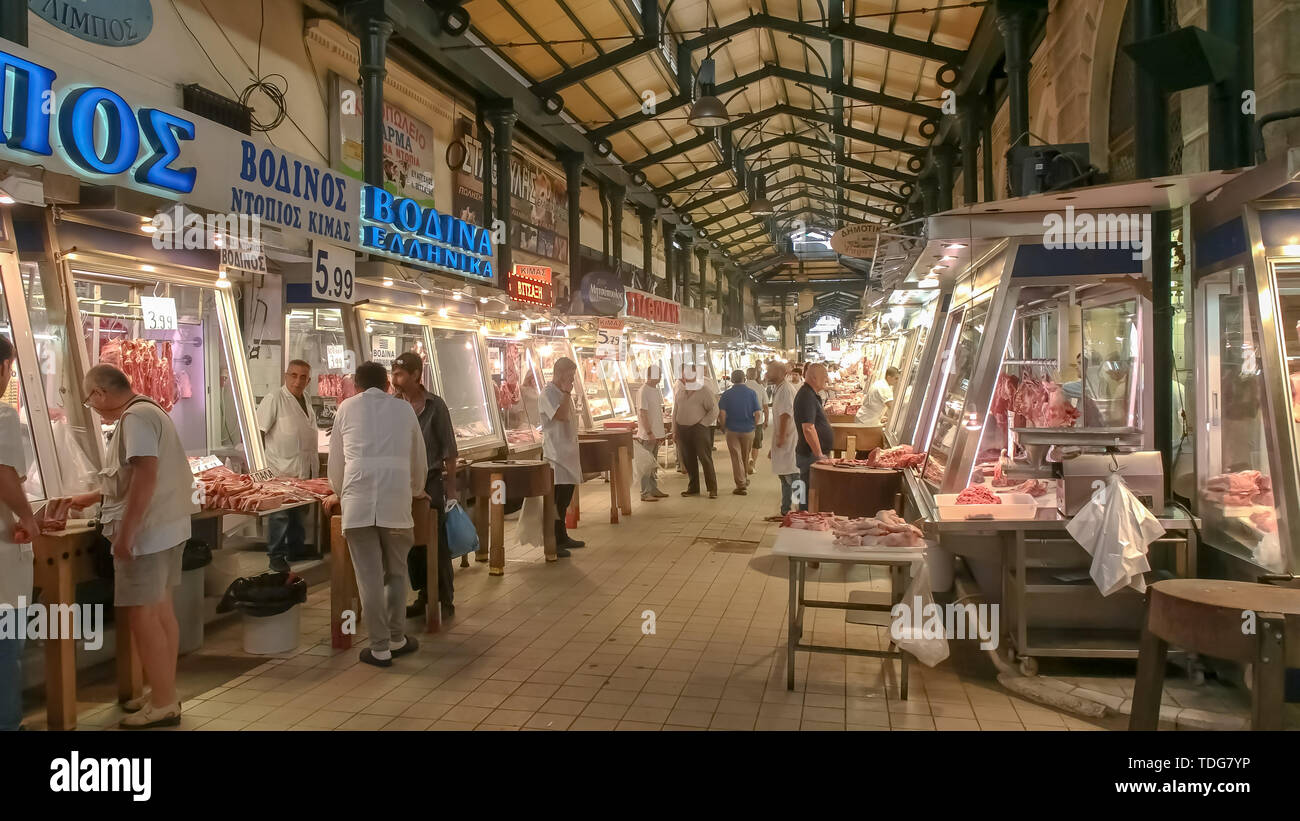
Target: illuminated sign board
401	228
531	284
641	305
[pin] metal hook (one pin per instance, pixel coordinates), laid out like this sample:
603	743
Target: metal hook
1114	462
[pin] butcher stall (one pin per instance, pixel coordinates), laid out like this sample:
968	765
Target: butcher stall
1246	399
921	311
1039	396
517	384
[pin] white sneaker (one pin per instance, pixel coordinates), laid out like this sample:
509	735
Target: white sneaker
151	716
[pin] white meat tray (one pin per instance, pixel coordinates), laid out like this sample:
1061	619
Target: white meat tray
1014	506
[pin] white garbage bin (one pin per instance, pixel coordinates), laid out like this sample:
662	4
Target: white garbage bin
272	635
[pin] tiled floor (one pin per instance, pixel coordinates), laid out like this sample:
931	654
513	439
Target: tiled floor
570	645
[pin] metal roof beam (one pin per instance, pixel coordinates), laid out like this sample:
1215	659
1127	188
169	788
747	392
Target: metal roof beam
646	42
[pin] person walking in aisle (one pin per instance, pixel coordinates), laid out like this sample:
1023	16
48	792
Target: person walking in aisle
650	431
148	495
694	436
288	429
440	486
739	412
18	528
813	429
764	400
560	446
378	466
784	435
878	401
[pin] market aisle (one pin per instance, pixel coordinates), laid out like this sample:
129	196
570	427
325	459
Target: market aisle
562	646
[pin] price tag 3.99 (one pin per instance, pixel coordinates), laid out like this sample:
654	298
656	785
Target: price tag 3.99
158	314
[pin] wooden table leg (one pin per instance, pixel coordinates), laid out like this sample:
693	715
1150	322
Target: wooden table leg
1150	682
625	480
433	610
61	654
481	526
130	674
548	524
342	587
1269	674
497	528
792	637
614	472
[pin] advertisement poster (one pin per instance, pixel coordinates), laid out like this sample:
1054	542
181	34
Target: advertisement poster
409	151
538	200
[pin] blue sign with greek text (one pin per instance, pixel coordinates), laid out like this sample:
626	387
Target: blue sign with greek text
400	227
105	22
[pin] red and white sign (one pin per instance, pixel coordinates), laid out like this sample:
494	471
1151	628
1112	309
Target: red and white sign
531	284
609	338
641	305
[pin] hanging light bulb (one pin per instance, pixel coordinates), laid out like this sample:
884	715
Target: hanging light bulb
442	312
388	282
759	204
222	280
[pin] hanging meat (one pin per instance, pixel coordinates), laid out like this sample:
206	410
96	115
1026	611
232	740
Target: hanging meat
147	365
1003	394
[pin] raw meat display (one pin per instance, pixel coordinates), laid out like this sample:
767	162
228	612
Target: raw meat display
1043	403
473	430
977	495
223	489
147	364
332	384
900	457
933	472
1264	520
852	463
886	529
1295	396
523	436
843	406
1245	487
1003	393
1034	487
803	520
320	488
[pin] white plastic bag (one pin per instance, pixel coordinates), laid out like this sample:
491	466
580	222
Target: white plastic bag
916	624
529	528
1116	529
643	461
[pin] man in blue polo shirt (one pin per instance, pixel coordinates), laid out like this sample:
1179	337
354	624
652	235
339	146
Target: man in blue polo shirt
738	412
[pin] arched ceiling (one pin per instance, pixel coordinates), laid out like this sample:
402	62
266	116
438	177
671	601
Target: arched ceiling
827	99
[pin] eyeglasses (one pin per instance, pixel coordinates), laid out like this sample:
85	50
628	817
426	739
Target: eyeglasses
86	404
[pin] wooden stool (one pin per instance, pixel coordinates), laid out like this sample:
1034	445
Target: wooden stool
520	480
852	491
599	454
1212	617
622	472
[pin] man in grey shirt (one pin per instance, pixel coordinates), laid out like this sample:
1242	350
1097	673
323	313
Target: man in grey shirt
695	404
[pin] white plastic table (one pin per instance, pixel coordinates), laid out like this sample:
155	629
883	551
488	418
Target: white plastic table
804	546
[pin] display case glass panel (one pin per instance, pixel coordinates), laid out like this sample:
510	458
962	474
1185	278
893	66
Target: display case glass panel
548	351
463	386
641	355
77	450
1236	503
185	370
1111	365
517	382
317	337
958	371
15	396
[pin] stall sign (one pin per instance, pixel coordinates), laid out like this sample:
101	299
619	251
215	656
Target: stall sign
159	316
409	149
53	117
332	276
198	464
399	227
531	284
609	339
856	240
383	349
102	22
642	305
252	260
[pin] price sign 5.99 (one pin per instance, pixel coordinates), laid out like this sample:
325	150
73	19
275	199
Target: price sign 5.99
333	273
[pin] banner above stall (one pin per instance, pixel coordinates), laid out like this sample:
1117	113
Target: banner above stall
54	116
409	150
531	284
651	308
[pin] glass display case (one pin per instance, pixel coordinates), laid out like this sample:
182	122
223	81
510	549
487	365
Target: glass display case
641	355
517	382
195	369
604	386
956	372
454	368
550	349
318	336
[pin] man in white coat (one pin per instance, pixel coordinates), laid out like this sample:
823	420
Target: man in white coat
288	429
560	445
784	435
378	467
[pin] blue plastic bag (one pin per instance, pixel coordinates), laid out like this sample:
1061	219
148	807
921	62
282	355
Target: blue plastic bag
462	538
